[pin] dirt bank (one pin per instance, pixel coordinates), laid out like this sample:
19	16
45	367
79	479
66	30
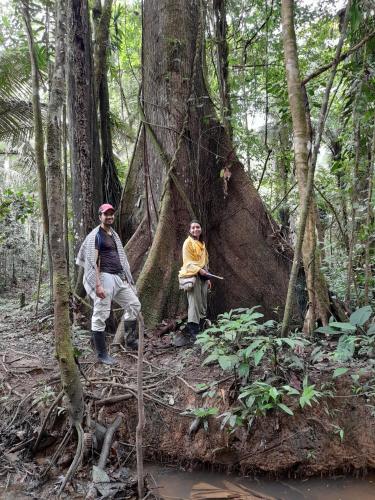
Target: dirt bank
336	434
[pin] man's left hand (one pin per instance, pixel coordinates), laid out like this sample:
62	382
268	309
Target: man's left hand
209	284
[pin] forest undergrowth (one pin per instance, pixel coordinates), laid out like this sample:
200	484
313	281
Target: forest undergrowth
241	399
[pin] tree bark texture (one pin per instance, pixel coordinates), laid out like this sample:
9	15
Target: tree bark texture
64	350
207	179
83	128
316	285
111	188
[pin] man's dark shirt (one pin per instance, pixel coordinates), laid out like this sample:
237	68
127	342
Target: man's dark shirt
109	259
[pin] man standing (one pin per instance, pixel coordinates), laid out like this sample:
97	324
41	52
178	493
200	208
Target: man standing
107	277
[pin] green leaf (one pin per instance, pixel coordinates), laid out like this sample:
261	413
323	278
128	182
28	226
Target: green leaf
291	391
339	371
259	355
228	362
244	370
212	357
328	329
285	408
274	393
343	326
345	348
371	330
253	346
360	316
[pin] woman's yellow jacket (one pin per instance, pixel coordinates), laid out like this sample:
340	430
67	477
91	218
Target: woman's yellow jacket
194	257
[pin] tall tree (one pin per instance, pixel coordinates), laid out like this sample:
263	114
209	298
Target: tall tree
82	116
305	169
194	170
70	376
111	184
38	128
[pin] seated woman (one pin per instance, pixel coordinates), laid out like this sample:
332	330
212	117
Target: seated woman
195	264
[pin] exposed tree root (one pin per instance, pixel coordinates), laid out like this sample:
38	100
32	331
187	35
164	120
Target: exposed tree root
108	440
58	452
53	406
77	458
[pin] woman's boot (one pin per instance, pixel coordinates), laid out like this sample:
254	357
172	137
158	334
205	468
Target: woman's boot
101	349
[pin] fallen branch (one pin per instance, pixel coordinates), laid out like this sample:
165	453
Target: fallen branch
114	399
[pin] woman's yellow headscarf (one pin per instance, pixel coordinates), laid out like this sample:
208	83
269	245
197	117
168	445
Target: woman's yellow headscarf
194	257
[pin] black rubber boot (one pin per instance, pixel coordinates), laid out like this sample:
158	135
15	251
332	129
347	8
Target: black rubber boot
131	334
193	330
101	349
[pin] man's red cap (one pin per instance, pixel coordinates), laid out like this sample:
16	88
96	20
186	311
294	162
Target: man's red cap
105	207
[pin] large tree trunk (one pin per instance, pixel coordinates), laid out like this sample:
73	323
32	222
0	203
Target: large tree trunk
64	350
316	285
206	179
111	183
83	137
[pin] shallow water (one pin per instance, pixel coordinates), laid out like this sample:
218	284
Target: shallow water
174	484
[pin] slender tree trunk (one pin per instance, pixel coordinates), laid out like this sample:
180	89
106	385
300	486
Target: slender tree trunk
39	275
66	187
369	222
111	184
83	136
64	350
38	131
306	238
219	7
182	132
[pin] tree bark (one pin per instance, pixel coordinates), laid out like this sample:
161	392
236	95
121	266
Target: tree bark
206	178
83	128
111	188
222	63
316	286
306	238
38	131
64	350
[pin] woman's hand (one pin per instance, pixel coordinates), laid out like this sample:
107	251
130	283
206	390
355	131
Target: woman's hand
100	291
202	272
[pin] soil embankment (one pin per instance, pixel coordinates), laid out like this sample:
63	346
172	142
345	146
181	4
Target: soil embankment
335	434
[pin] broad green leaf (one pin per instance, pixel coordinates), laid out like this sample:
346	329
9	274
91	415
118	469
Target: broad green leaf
244	370
285	408
228	362
371	330
259	355
343	326
274	393
291	343
212	357
291	391
328	329
339	371
254	345
360	316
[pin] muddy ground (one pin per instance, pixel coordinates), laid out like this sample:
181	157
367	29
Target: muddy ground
307	443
